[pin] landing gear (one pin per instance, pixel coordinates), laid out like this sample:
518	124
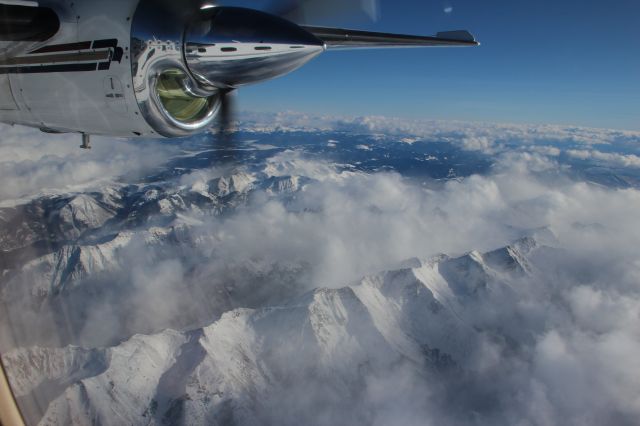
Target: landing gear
86	141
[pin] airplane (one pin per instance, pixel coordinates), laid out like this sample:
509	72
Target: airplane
155	68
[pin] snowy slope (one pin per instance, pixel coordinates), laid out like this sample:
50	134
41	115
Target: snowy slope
241	366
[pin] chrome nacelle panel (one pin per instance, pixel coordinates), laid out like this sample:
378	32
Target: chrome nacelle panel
157	46
218	48
228	47
154	58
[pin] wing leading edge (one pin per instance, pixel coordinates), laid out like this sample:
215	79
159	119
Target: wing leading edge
338	38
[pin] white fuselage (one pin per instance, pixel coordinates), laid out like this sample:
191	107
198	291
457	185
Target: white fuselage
97	100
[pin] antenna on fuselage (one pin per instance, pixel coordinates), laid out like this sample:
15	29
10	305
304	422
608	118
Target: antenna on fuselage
86	141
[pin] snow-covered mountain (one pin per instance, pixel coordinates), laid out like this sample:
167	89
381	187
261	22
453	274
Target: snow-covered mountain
83	249
218	288
240	368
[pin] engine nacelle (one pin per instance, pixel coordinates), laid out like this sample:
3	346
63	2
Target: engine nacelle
228	47
140	67
181	63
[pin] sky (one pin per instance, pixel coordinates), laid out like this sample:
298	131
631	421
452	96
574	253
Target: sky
561	62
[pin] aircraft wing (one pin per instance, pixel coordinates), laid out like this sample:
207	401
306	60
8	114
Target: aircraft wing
338	38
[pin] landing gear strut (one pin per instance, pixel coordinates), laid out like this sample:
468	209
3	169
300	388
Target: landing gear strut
86	141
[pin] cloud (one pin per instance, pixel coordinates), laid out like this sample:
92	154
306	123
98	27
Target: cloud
34	163
612	159
348	224
481	143
455	130
559	348
549	151
485	138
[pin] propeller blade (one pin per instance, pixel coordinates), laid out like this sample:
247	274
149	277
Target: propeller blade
181	9
226	143
226	114
311	11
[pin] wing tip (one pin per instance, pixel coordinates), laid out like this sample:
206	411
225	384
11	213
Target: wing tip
458	35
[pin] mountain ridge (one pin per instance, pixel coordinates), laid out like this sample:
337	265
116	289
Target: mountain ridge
412	317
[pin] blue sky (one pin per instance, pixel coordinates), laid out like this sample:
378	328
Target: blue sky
565	62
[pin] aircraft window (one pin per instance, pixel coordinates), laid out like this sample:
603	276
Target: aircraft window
180	104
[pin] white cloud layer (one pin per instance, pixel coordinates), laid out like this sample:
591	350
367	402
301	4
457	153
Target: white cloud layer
611	159
563	352
476	134
33	163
